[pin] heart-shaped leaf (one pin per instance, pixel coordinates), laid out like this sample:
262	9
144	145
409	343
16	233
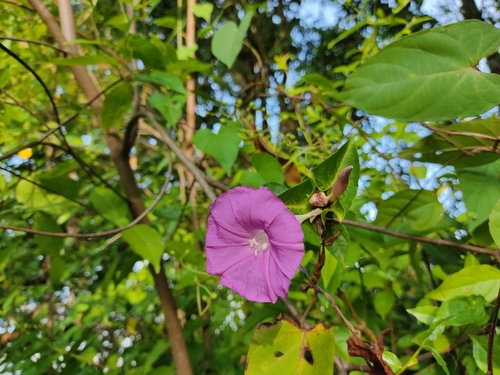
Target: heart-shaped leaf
228	40
429	76
223	146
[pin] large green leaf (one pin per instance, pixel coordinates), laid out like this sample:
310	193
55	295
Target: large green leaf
410	211
429	76
495	223
228	40
223	146
146	242
481	190
448	148
481	280
284	348
328	171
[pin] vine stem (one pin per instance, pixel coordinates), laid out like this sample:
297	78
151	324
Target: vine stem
437	241
491	337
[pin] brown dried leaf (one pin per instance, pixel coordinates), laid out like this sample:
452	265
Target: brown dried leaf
372	353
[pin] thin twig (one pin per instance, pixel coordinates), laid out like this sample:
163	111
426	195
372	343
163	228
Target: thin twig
28	145
37	77
349	325
105	233
3	37
436	241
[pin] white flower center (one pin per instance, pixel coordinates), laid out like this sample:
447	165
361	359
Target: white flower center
260	242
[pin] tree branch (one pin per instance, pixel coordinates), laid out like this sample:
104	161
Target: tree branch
436	241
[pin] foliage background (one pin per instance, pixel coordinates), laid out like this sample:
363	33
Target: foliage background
206	110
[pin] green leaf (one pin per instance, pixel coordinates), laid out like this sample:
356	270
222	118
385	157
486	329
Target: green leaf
48	245
58	268
146	51
296	199
110	205
435	149
284	348
429	76
223	146
480	350
35	197
481	280
268	168
410	211
462	311
62	185
481	190
495	223
339	247
203	10
424	314
439	359
170	81
86	60
383	302
145	241
328	171
228	40
249	178
117	103
170	107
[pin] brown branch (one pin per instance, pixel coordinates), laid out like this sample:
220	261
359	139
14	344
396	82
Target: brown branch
160	132
436	241
361	323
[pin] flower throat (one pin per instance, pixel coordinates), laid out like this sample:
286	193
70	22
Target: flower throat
260	242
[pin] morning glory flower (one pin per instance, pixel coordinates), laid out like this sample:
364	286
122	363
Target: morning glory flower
254	242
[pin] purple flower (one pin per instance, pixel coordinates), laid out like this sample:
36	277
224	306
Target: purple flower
254	242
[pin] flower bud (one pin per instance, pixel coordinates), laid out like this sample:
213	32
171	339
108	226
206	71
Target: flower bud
341	183
319	199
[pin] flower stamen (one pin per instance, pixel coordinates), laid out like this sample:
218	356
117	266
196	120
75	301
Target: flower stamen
260	242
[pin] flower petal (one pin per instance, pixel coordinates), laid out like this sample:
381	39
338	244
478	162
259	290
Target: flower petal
222	208
285	228
251	279
224	248
255	209
287	257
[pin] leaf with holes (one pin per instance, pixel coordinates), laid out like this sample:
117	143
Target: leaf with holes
284	348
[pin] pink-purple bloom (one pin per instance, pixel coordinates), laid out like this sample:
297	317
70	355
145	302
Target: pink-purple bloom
254	242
